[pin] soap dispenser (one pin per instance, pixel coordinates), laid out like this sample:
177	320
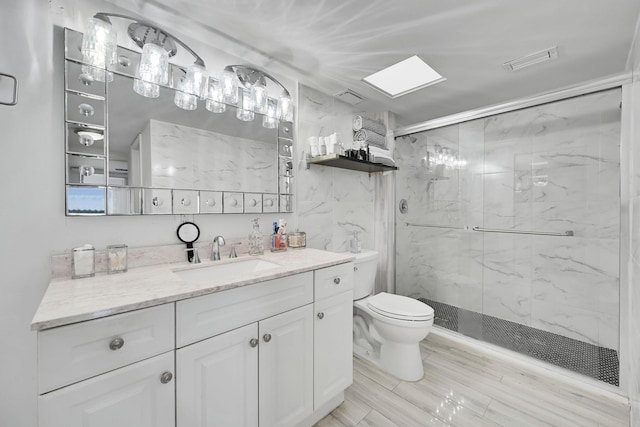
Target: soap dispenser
356	245
256	240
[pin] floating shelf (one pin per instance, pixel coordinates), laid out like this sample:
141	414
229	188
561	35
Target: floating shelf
343	162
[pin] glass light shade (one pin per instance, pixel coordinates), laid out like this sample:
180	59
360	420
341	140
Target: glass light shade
229	87
146	89
195	82
259	98
186	101
285	108
245	106
270	119
154	65
215	97
99	48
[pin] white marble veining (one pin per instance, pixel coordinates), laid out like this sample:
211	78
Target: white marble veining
333	203
69	301
554	167
184	157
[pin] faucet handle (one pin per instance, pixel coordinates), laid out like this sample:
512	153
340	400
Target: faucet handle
195	259
233	253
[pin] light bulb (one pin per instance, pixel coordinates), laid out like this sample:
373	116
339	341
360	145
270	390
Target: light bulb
215	98
259	98
245	106
285	108
99	49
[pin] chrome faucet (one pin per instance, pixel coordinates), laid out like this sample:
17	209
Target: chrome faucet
215	247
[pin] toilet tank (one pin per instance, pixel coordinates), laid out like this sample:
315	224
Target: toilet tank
364	277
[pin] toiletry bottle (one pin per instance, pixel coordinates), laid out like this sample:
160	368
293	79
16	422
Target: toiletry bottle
275	237
256	241
282	231
356	245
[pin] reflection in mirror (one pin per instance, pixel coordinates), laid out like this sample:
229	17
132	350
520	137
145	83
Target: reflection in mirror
168	147
85	200
156	158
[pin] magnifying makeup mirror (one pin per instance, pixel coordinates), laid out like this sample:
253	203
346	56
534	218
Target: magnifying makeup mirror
188	233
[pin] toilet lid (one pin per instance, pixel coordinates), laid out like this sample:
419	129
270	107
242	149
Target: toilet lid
399	307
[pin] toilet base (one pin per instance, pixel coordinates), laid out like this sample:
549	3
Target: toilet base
403	361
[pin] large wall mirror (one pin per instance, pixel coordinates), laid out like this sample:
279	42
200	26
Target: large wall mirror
129	155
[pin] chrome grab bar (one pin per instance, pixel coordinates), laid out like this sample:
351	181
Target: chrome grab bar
539	233
454	227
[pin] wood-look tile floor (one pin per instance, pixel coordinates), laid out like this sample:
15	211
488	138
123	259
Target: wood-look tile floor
463	386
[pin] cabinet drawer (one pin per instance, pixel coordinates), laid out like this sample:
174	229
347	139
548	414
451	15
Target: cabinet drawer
133	396
333	280
209	315
72	353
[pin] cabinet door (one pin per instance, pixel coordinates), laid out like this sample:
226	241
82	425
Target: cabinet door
217	382
333	347
286	367
133	396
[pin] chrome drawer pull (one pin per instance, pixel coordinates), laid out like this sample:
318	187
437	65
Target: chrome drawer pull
266	337
166	377
116	344
321	315
336	280
253	342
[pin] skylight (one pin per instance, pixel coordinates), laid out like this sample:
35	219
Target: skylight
404	77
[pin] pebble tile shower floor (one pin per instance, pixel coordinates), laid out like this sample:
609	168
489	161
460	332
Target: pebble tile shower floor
587	359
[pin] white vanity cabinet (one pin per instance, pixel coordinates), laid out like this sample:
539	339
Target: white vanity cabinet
273	353
286	368
333	331
257	374
114	371
217	384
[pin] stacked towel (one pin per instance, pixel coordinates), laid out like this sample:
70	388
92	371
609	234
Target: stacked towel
380	155
369	131
360	122
371	138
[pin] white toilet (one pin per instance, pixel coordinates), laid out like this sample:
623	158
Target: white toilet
387	328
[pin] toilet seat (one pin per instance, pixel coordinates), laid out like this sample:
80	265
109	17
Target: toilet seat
399	307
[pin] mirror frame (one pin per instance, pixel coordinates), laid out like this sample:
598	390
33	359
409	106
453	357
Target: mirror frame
149	200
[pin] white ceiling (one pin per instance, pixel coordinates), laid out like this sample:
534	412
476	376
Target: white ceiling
332	44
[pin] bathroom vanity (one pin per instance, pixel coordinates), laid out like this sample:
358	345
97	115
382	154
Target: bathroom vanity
251	341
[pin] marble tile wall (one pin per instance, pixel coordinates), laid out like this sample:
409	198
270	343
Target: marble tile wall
631	328
181	156
554	167
332	203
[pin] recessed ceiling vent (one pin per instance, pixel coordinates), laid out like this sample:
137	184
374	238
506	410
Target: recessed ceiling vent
350	97
532	59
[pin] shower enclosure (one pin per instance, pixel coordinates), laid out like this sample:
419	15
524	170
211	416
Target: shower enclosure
512	229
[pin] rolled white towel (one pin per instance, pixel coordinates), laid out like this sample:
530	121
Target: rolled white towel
369	137
360	122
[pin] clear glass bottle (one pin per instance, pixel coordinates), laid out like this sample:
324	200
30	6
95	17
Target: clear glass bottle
256	240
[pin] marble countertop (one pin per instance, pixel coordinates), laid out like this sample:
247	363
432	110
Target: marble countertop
68	301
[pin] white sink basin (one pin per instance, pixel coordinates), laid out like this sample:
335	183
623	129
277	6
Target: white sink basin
216	271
